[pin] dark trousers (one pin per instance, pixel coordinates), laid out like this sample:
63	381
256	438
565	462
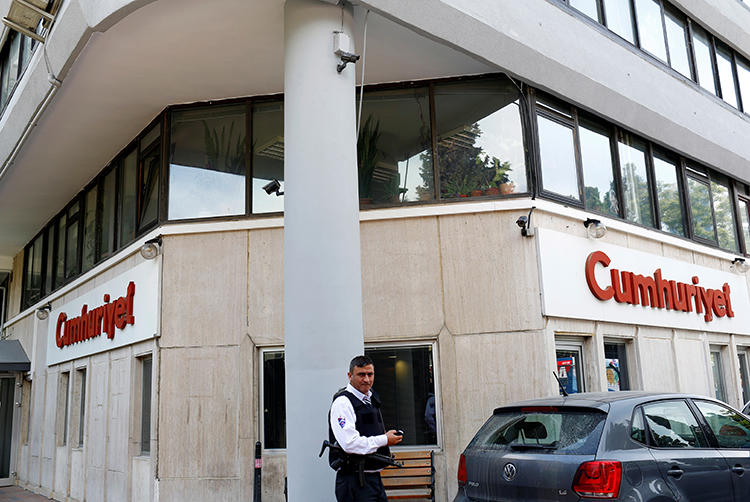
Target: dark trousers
348	488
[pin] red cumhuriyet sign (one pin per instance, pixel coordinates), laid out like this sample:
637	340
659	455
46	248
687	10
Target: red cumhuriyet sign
91	323
657	292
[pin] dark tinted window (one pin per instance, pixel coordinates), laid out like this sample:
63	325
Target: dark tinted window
548	430
637	427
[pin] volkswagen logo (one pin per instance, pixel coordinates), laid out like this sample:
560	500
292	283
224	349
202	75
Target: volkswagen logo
509	471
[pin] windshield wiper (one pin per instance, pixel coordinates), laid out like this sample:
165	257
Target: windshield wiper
532	446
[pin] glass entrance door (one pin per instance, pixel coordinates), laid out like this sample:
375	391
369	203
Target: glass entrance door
7	407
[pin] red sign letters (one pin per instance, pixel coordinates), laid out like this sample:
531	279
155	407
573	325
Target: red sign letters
657	292
91	323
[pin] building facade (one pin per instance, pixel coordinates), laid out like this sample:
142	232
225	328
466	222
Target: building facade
512	190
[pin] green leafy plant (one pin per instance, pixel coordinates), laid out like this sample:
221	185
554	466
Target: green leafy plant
224	152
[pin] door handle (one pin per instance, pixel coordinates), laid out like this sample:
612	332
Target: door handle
676	472
738	469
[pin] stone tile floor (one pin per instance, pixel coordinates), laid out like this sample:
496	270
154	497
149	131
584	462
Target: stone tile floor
18	494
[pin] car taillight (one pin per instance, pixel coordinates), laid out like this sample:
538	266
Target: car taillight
599	479
462	470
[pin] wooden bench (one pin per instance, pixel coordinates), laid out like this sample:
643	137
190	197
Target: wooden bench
414	481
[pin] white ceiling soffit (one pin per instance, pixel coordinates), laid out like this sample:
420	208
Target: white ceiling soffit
168	52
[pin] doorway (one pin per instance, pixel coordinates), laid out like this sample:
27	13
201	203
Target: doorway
7	408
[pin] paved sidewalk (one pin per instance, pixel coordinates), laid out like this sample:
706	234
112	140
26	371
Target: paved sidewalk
18	494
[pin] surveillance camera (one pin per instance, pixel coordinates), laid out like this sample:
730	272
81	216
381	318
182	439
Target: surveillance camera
522	221
272	187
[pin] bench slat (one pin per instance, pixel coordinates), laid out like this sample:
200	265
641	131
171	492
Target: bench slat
401	473
407	482
417	462
412	454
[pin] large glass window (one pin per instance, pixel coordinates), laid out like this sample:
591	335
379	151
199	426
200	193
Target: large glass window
33	270
723	213
89	229
703	60
700	208
730	429
745	222
128	197
600	192
480	139
743	79
71	239
10	58
107	197
394	148
208	162
404	380
588	7
557	153
61	254
146	367
149	180
650	28
744	374
668	194
619	18
268	155
679	57
725	66
635	184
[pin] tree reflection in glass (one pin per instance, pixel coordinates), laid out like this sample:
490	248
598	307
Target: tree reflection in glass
725	229
745	222
700	209
635	188
596	157
480	140
668	195
394	158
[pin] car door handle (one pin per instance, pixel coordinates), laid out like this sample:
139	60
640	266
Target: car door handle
676	472
738	469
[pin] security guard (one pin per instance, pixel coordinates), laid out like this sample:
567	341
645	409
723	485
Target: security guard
356	424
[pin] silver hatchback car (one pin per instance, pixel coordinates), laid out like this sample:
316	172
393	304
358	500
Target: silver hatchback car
626	446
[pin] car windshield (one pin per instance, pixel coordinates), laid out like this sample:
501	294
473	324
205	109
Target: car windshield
547	430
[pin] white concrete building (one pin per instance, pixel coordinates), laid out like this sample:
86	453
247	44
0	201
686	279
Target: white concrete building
147	377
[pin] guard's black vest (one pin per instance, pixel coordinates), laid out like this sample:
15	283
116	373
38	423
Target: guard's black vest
369	423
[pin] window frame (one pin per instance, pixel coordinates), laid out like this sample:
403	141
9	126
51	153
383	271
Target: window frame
721	385
574	345
696	416
405	344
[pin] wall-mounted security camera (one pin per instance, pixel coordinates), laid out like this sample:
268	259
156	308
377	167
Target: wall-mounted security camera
342	48
273	187
522	221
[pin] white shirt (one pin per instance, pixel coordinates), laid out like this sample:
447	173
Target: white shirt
343	426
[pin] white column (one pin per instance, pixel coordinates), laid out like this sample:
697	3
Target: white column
322	272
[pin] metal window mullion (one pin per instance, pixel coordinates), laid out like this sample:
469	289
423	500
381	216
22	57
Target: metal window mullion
614	148
691	50
651	180
685	198
664	31
249	165
578	158
714	64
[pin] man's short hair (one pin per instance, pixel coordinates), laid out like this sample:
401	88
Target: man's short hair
359	362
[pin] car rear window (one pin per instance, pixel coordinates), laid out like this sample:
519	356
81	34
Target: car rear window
558	431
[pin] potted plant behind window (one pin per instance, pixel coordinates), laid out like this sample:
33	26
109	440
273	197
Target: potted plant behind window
501	179
367	157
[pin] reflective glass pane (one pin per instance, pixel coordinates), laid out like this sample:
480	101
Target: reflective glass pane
668	195
650	29
89	230
149	187
725	228
744	377
407	390
743	78
726	76
620	18
616	366
703	64
274	405
730	429
598	177
107	197
128	197
635	181
480	140
60	261
268	155
569	369
394	154
151	135
677	41
717	371
26	52
588	7
208	162
671	424
558	158
49	264
700	209
71	241
745	223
